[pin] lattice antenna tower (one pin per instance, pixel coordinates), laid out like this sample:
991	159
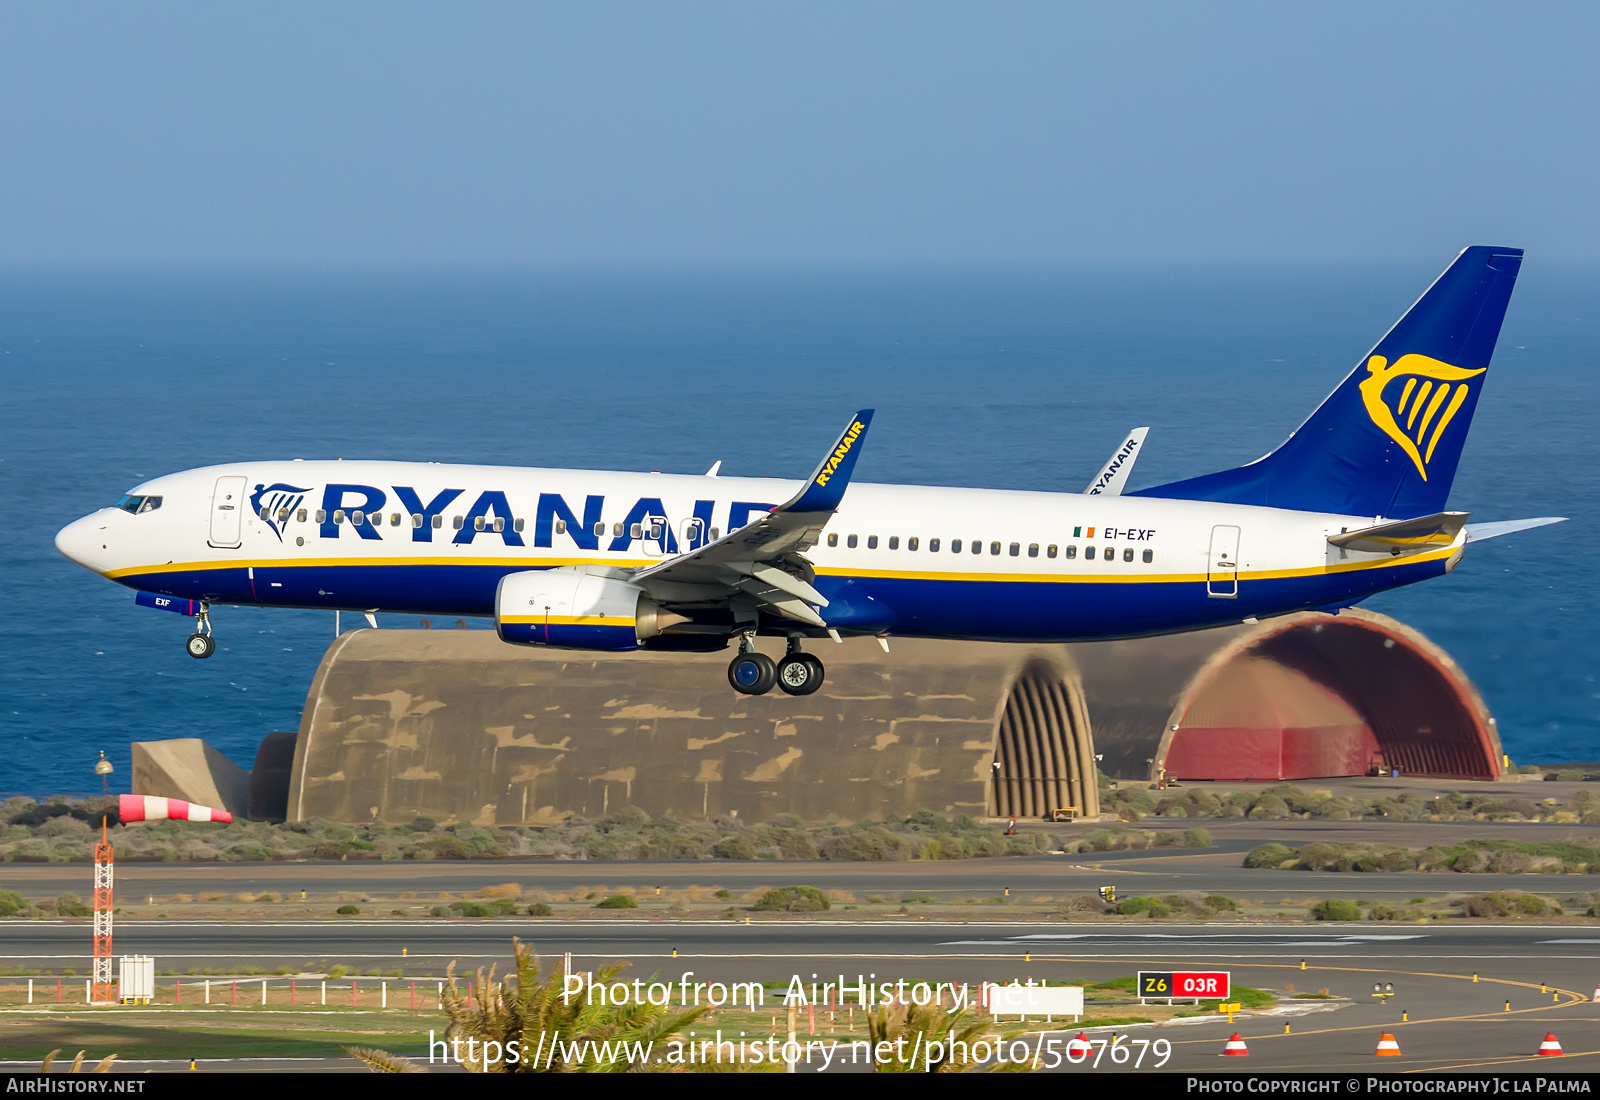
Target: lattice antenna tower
104	991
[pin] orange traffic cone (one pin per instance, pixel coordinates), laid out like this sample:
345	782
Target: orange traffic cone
1387	1047
1078	1047
1551	1045
1236	1047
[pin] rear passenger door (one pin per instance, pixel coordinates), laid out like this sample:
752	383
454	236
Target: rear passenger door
1222	574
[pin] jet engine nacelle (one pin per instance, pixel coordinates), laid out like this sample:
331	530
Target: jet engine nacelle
577	610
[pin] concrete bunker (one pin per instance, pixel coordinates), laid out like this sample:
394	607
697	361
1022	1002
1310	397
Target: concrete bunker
1299	697
457	726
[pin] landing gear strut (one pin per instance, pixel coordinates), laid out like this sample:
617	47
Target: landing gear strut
201	644
752	673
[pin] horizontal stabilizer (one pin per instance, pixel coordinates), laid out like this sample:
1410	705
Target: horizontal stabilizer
1404	536
1114	475
1477	532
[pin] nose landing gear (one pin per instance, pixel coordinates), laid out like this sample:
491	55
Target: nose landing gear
201	644
752	673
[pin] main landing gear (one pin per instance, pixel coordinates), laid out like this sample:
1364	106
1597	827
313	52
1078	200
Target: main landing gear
752	673
201	644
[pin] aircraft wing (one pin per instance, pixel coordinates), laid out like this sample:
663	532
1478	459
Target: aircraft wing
762	564
1114	474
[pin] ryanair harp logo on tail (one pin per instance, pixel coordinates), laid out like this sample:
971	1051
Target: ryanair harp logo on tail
1415	418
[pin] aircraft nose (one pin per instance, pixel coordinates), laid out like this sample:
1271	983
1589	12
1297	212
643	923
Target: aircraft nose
83	541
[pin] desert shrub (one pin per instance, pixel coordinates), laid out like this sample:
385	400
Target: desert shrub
71	905
540	909
738	846
793	899
469	909
1151	907
1197	838
1335	909
11	903
618	901
503	907
347	911
1217	903
1269	855
1079	905
1269	806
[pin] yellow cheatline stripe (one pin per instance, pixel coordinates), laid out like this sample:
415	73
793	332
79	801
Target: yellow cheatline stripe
1147	578
1088	576
569	620
322	563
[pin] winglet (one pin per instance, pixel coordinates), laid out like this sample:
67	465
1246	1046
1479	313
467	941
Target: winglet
825	488
1114	474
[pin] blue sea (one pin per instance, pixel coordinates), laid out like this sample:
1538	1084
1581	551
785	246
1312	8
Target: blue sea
1017	377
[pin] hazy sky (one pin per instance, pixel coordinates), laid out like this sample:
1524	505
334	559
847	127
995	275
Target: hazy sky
673	132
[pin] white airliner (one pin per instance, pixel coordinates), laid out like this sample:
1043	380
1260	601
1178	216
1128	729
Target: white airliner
1351	504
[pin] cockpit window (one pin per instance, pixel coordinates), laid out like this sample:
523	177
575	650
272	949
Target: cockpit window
131	503
150	504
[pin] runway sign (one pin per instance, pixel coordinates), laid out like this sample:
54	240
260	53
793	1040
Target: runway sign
1202	985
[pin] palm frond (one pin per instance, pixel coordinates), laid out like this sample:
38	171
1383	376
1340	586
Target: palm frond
381	1061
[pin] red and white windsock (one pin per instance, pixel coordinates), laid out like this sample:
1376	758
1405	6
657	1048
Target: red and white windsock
1236	1047
1551	1045
149	807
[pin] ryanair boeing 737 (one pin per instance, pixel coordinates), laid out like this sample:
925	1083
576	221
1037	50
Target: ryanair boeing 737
1351	504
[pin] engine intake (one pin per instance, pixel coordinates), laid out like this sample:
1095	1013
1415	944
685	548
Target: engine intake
564	607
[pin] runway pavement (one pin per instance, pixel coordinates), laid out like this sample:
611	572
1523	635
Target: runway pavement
1453	1021
1153	871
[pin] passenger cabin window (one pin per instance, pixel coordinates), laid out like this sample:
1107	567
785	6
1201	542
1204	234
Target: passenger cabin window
358	517
955	546
994	548
456	523
872	542
1050	551
416	520
894	542
338	515
477	523
1072	552
300	516
933	546
1088	553
636	531
394	519
499	524
833	540
715	534
1127	554
561	526
977	546
850	541
1033	550
599	528
1149	556
616	530
322	515
912	542
1016	548
438	522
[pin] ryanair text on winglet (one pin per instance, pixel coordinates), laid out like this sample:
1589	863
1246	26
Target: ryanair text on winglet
848	441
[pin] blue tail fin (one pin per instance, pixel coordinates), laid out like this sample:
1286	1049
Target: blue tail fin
1387	441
